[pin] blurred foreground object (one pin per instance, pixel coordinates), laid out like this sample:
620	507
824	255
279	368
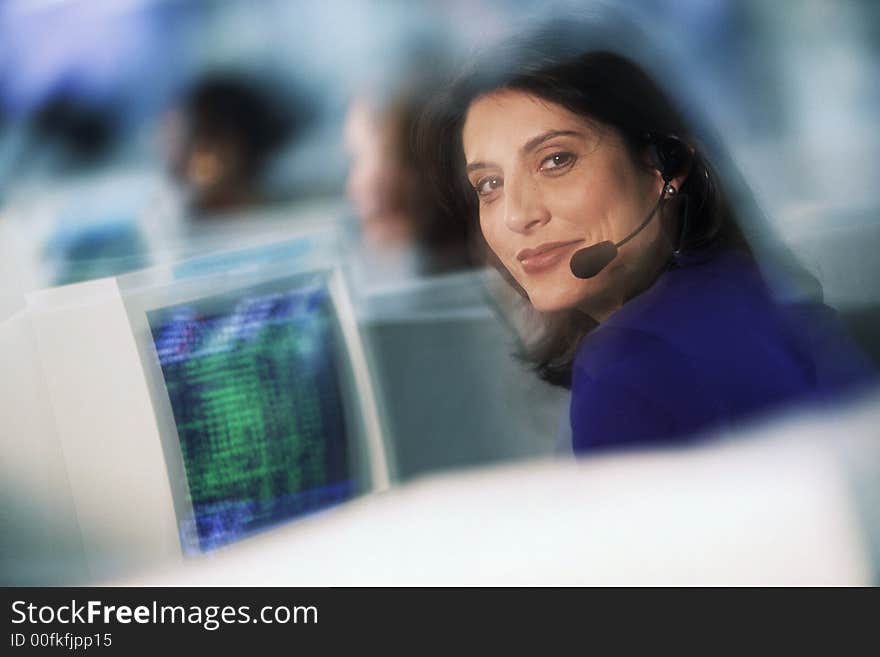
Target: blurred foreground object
792	503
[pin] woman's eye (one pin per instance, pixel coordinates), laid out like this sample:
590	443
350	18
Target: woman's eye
557	161
485	186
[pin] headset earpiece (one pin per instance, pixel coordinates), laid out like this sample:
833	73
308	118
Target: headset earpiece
668	154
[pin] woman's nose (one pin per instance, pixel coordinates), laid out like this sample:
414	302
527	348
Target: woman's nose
525	211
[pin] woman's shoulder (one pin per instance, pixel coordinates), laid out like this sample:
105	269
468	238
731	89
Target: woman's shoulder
711	299
629	386
621	350
632	363
701	287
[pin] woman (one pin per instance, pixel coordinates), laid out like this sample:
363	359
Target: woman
665	330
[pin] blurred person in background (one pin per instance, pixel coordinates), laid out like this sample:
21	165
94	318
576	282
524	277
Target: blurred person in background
403	231
73	136
600	203
220	139
74	133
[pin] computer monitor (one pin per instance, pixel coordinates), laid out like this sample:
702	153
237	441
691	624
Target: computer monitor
255	382
451	390
259	383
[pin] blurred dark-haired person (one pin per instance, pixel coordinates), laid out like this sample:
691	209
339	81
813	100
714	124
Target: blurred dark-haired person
597	201
221	136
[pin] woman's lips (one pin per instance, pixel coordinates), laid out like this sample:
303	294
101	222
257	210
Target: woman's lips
545	256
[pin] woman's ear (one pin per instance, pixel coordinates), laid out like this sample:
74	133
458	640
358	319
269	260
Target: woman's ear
684	168
684	171
671	159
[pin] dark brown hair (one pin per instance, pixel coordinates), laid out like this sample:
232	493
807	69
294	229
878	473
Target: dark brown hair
600	85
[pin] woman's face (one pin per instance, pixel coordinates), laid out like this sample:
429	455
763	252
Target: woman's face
549	183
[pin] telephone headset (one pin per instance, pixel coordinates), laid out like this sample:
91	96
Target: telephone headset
669	155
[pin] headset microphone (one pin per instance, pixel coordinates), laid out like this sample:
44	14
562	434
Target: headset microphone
668	156
588	262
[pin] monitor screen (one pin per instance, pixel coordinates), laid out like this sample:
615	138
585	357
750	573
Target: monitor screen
253	380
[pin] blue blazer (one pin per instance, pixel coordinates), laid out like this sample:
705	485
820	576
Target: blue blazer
704	348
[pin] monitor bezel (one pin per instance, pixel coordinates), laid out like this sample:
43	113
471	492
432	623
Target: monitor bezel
159	288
